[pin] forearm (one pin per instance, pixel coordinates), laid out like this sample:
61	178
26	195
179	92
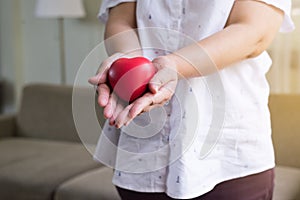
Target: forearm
233	44
120	32
247	34
122	39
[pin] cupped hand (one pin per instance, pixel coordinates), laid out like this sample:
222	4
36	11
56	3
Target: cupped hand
109	101
162	87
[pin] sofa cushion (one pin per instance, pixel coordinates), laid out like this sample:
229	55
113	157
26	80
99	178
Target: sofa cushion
92	185
7	125
287	183
32	169
285	111
46	112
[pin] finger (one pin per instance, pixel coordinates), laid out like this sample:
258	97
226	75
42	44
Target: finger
123	117
165	93
110	107
155	83
93	80
117	111
99	78
148	108
162	77
103	94
101	74
140	104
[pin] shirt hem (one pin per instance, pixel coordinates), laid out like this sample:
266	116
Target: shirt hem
192	194
211	187
131	187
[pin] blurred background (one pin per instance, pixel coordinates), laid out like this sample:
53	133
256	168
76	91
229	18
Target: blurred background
31	44
38	47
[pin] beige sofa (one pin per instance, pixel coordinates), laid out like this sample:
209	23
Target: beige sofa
41	155
285	115
42	158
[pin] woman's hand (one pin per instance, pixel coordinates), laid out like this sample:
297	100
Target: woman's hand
162	87
109	101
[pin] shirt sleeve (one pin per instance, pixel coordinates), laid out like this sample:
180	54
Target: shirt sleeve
286	6
106	5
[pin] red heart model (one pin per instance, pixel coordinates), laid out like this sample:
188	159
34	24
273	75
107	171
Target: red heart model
129	77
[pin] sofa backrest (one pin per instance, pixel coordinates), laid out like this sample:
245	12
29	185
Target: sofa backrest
46	113
285	115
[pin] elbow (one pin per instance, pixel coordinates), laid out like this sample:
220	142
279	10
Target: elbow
259	46
256	49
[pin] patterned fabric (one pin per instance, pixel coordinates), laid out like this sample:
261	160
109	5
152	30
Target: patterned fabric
214	129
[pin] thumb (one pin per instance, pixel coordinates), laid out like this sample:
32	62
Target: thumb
99	78
93	80
155	83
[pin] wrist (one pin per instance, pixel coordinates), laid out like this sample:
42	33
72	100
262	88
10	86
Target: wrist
133	53
174	61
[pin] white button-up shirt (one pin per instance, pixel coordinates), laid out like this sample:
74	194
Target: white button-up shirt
214	129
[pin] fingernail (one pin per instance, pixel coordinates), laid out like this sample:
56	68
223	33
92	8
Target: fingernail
131	115
117	125
155	88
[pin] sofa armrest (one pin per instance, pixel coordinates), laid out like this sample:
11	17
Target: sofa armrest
285	115
7	125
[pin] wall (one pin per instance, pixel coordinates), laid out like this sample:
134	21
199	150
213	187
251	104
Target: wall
10	51
29	46
284	76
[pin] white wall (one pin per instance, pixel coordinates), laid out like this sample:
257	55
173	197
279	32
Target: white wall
284	76
81	37
29	46
10	50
